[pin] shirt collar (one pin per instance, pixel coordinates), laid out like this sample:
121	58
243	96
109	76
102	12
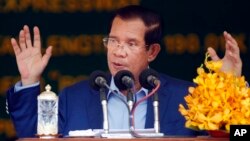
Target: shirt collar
113	87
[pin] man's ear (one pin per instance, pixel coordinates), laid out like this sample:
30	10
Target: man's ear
153	51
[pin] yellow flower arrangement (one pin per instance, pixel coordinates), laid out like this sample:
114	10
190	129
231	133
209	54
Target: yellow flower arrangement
218	100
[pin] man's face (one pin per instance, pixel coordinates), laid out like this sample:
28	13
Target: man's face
124	57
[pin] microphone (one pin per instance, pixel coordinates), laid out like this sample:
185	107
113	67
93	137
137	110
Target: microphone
98	81
149	79
124	80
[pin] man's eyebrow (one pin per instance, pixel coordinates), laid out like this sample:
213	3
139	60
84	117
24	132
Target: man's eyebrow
127	40
133	40
110	36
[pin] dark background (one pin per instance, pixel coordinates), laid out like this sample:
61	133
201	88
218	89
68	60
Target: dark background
181	17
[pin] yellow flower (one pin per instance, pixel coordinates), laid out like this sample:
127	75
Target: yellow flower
218	100
214	65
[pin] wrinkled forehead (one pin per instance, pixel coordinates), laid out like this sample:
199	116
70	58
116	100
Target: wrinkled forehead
133	28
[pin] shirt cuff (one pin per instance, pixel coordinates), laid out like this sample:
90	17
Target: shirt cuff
18	86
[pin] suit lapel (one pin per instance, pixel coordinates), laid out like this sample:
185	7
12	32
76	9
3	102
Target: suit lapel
94	108
162	92
150	114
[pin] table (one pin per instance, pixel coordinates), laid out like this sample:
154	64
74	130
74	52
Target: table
199	138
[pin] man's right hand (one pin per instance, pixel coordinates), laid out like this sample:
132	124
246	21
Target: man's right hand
30	60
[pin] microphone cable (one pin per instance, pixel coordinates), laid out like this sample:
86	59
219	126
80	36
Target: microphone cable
131	116
132	130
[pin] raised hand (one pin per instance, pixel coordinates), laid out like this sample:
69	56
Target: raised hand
30	60
231	60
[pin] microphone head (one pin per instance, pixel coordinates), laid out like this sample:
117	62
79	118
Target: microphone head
97	79
146	76
119	79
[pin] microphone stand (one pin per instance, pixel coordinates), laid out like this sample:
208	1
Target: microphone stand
103	99
130	99
156	113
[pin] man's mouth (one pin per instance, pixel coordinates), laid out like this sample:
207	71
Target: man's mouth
118	66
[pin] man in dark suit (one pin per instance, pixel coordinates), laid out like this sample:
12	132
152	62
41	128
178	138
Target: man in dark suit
133	42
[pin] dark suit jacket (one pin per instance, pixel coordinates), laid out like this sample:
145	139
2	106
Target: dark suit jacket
80	108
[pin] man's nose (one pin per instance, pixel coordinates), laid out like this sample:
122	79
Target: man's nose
120	50
120	45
